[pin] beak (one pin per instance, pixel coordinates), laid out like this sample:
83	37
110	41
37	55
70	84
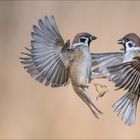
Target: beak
122	49
121	41
93	38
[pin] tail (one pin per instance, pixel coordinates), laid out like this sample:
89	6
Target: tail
126	107
82	93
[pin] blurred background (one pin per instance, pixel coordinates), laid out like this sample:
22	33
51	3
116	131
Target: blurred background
31	110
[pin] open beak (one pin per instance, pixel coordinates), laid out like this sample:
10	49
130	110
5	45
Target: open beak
122	49
93	38
121	41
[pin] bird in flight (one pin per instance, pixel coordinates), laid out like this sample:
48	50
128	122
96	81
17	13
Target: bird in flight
123	68
54	62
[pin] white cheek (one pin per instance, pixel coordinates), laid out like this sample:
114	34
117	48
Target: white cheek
86	41
133	49
128	48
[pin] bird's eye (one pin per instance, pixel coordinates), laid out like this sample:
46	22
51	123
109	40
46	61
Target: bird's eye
129	44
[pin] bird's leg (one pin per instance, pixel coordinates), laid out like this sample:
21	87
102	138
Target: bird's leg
102	91
83	95
99	85
85	85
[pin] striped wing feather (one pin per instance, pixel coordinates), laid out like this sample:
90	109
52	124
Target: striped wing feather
46	61
126	75
101	61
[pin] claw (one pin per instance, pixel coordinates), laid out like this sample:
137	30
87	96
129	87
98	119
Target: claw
101	92
100	85
85	85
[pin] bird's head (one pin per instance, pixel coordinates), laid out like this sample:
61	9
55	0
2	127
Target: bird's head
130	41
83	38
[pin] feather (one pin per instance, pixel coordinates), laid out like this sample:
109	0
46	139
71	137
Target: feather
46	61
126	107
126	75
101	61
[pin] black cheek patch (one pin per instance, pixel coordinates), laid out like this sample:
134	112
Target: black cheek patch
82	39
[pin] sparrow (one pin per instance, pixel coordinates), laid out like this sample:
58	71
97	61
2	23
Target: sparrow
123	68
55	63
126	75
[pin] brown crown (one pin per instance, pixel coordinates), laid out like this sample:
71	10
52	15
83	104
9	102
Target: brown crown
77	37
135	38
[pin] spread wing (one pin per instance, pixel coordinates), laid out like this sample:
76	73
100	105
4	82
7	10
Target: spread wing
100	61
48	59
126	75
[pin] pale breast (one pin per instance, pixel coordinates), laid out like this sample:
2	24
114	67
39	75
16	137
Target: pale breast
80	69
130	55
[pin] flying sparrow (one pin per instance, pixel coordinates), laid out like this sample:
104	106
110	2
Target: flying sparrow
123	68
53	62
126	75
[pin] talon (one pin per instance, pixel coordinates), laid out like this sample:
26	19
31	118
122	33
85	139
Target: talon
84	85
102	86
101	92
105	86
100	95
99	85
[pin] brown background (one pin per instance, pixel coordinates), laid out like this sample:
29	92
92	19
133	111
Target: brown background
31	110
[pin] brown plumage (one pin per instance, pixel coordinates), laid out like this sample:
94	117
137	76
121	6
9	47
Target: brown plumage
53	62
123	68
126	75
134	37
82	34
